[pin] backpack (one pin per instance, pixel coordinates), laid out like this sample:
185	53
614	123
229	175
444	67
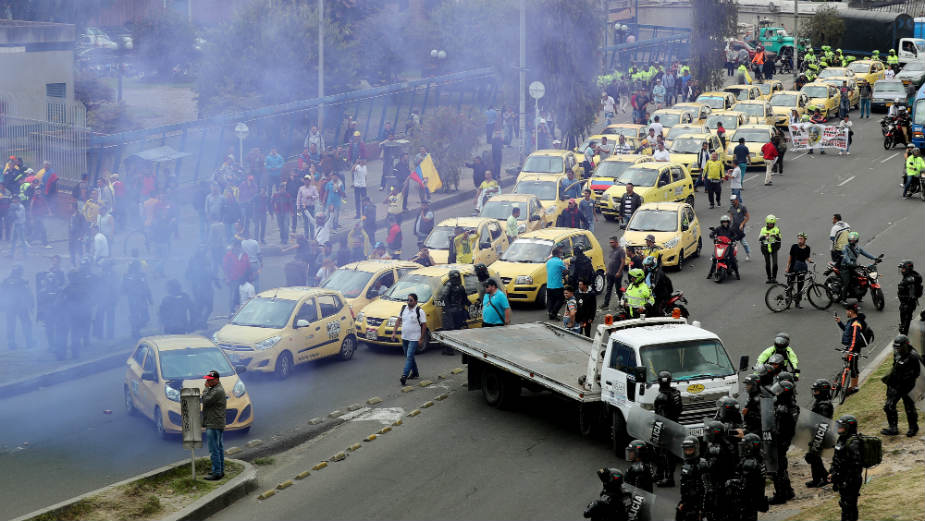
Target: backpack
871	450
868	333
402	312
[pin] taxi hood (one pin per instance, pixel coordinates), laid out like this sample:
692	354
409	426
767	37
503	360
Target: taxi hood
244	335
384	309
508	269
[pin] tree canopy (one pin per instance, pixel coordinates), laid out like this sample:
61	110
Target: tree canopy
826	27
714	20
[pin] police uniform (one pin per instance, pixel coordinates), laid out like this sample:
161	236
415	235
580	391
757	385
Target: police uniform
909	289
899	383
668	405
846	474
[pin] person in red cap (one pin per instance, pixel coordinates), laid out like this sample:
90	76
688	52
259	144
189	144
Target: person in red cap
571	217
214	400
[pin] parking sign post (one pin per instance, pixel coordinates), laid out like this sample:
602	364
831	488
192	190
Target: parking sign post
191	416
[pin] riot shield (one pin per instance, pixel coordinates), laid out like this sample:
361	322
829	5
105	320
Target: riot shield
656	430
768	430
640	505
918	392
814	431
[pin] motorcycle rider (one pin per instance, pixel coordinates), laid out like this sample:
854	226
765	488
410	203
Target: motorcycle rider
751	472
838	234
822	405
692	482
853	338
751	413
611	504
909	289
637	295
847	464
720	456
725	230
915	165
899	383
782	346
849	262
658	282
640	472
668	405
786	412
770	240
455	306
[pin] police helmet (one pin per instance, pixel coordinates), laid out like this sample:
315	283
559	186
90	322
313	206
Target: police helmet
786	387
750	382
876	52
892	51
770	219
786	376
481	271
781	342
454	275
901	344
635	450
751	444
847	424
776	359
691	448
713	430
822	388
611	478
664	377
637	274
853	237
649	262
905	265
578	250
727	404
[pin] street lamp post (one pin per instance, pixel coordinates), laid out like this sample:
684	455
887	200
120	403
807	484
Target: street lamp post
241	131
321	66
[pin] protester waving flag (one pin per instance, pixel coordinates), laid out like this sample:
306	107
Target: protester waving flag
427	171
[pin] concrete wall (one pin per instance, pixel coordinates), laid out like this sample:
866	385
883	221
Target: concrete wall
33	54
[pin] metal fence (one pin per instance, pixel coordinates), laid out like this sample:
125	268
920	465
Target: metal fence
654	44
62	139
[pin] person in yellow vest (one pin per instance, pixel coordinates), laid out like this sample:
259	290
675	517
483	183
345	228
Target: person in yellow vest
393	202
638	295
770	240
461	247
713	179
892	60
915	165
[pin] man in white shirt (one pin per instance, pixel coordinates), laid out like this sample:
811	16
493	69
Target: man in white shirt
100	247
416	328
359	185
661	154
608	106
305	203
656	126
889	74
252	248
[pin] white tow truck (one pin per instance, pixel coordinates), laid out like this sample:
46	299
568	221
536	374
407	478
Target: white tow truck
607	377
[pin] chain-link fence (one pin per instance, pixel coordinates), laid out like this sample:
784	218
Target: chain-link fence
60	139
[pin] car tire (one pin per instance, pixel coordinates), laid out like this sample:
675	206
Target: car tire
699	247
681	260
283	368
500	389
541	297
159	424
129	402
347	348
600	283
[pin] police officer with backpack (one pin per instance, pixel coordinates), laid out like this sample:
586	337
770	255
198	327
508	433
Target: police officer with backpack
910	289
455	306
822	405
899	383
847	463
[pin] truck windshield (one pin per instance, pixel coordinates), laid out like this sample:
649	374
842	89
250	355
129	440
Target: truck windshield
918	113
687	360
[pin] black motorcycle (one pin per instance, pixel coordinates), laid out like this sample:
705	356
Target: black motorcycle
892	133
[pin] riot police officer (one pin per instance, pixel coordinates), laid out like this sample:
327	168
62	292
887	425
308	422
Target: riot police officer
751	413
610	506
668	405
822	405
910	289
481	272
899	382
176	311
847	464
455	306
640	472
727	413
16	301
720	457
786	412
751	474
138	293
692	482
48	287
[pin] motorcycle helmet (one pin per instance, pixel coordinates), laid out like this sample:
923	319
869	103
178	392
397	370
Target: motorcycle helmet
750	383
635	450
637	274
906	265
822	389
776	361
751	445
770	219
892	51
691	448
781	342
725	219
853	237
876	52
838	51
910	145
847	424
802	234
649	263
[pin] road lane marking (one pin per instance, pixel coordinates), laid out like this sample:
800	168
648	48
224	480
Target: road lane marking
801	155
750	178
846	181
891	157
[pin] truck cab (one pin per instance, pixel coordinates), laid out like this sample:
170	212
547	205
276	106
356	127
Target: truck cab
911	50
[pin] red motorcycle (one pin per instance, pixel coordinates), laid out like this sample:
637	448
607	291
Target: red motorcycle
676	300
866	277
724	255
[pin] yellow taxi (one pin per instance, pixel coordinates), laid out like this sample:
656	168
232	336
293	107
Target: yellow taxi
835	72
769	88
522	268
755	137
784	102
630	130
867	70
700	111
162	365
362	281
532	214
717	100
686	149
731	120
671	117
604	143
679	130
609	170
854	92
654	182
377	321
744	92
548	189
551	162
757	111
284	327
823	97
675	227
486	239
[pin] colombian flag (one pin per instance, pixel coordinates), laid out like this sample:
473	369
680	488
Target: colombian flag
427	170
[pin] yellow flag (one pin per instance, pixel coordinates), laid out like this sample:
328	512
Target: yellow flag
428	172
748	77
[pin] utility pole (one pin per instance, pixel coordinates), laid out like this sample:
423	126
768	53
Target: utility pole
796	40
321	64
523	79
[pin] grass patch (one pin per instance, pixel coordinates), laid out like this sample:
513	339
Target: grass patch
264	461
890	497
148	498
867	404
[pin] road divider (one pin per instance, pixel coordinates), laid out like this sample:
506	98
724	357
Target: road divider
396	423
284	485
340	456
385	430
354	406
457	370
355	447
320	465
441	397
335	413
407	388
267	494
414	413
303	475
371	437
374	400
253	443
425	383
315	421
427	404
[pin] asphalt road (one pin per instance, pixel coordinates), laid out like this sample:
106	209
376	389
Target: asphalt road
473	461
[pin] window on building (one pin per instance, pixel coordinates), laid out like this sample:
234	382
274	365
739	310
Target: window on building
56	90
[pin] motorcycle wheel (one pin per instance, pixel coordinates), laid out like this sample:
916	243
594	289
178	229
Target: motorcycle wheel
777	299
877	295
888	142
719	276
819	297
833	287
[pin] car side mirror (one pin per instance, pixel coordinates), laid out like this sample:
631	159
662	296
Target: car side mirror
240	369
149	376
534	217
639	374
301	323
743	363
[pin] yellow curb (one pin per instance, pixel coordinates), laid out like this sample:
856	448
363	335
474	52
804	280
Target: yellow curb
355	446
303	475
427	404
396	423
315	421
440	397
425	383
335	413
268	494
414	413
374	400
385	430
284	485
340	456
441	377
407	388
320	465
457	370
371	437
354	406
232	451
254	443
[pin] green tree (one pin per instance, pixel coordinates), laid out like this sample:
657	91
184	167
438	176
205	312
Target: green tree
451	138
164	41
714	20
826	27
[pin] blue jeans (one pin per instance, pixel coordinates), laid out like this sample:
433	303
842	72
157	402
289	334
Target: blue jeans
411	367
865	107
216	450
737	192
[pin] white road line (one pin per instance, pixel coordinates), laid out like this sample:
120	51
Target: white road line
750	178
846	181
801	155
891	157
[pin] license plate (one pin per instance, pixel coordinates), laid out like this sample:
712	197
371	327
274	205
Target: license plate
696	432
370	334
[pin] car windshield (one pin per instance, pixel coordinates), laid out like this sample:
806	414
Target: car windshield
687	360
784	100
832	72
543	165
913	67
862	68
192	363
753	135
654	221
621	131
816	91
439	238
751	109
265	312
527	250
835	82
612	169
543	190
889	87
682	129
502	209
739	93
714	102
765	88
686	145
349	282
421	285
668	120
638	176
729	121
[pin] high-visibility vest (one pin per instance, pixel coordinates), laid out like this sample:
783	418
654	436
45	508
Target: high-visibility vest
637	296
